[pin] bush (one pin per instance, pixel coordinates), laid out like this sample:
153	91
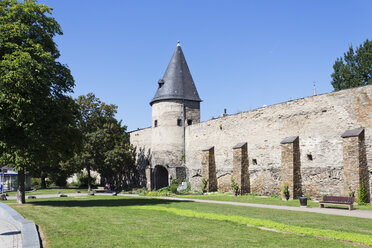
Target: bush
74	184
157	193
234	187
164	190
83	180
175	181
362	194
173	188
285	191
36	183
204	185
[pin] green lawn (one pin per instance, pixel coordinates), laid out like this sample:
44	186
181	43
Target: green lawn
49	191
107	221
264	200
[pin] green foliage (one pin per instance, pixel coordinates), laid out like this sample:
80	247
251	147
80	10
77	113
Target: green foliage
362	194
37	115
355	69
173	188
157	193
285	191
351	192
234	187
35	183
204	185
286	228
175	181
106	146
83	179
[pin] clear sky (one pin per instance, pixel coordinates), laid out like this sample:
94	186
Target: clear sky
242	54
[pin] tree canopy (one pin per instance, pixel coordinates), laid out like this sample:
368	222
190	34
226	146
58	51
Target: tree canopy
355	69
106	147
37	117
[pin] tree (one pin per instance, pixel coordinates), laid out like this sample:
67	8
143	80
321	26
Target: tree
355	69
106	147
37	118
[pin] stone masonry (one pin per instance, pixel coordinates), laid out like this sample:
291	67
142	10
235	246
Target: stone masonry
209	168
240	172
177	136
149	178
291	166
355	161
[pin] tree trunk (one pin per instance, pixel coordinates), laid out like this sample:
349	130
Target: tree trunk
89	181
21	186
43	182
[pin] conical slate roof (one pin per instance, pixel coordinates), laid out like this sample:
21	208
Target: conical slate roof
177	81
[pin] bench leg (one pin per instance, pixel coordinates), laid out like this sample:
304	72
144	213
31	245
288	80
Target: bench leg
351	207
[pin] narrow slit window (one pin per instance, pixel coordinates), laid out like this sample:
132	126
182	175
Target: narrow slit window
254	161
155	123
179	122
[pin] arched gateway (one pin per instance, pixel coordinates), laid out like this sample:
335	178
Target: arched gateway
161	177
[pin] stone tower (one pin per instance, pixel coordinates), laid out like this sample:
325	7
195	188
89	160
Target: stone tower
175	105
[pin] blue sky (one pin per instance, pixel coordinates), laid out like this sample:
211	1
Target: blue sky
241	54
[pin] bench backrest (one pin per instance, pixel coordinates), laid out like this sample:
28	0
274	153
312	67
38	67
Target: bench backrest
340	199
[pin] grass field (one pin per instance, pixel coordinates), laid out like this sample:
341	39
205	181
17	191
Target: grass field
107	221
49	191
265	200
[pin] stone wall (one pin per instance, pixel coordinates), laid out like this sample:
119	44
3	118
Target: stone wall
319	122
141	142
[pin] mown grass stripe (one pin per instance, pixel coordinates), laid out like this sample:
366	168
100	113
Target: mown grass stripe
338	235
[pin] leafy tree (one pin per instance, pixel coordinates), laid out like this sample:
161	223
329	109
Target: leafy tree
37	118
355	69
106	147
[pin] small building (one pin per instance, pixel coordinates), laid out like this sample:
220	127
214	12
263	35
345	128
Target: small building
9	179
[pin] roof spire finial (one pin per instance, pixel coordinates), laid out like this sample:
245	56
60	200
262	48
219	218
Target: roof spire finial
178	43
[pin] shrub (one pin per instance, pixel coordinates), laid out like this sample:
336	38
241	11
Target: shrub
285	191
157	193
175	181
351	192
83	179
234	187
173	188
362	194
204	185
36	182
164	190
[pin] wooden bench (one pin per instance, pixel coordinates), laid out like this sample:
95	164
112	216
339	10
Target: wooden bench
337	200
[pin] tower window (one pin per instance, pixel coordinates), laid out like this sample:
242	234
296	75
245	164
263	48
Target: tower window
155	123
179	122
309	157
254	161
189	122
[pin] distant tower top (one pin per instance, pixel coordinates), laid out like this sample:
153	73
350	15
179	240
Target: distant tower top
177	82
314	90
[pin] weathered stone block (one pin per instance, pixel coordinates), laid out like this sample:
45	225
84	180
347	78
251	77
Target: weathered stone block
240	167
355	162
209	168
291	166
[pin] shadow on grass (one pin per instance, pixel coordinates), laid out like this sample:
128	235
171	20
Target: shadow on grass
101	202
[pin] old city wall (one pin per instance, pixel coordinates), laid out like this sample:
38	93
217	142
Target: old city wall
141	141
319	121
